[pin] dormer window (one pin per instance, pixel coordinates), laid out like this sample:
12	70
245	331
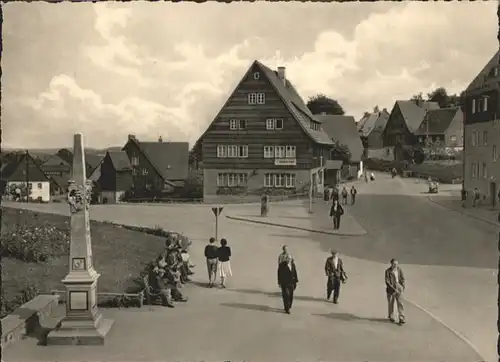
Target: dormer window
315	126
256	75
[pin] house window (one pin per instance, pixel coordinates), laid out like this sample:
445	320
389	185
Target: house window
221	179
242	124
232	151
485	171
39	185
268	180
232	179
134	172
314	126
473	136
279	180
252	98
242	179
144	172
256	75
134	161
243	151
233	124
269	123
485	104
474	170
494	153
268	151
221	151
485	138
290	152
279	152
290	180
278	123
274	123
261	98
495	72
473	106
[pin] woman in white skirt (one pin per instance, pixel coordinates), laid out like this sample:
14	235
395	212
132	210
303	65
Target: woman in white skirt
224	265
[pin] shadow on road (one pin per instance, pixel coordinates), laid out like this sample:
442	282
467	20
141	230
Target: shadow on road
257	307
277	295
351	317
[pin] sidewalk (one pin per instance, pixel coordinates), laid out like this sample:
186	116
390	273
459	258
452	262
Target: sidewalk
483	213
298	217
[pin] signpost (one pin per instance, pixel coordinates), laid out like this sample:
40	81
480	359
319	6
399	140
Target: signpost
217	211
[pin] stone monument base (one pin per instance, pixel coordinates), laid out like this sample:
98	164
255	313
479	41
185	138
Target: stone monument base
80	333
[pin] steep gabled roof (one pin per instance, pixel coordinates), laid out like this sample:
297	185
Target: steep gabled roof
61	181
482	78
119	160
290	97
343	130
414	114
373	121
55	160
438	120
8	172
170	159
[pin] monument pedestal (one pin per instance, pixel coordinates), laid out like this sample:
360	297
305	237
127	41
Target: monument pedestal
83	324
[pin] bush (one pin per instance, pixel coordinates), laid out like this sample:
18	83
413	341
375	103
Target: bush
156	231
26	294
34	244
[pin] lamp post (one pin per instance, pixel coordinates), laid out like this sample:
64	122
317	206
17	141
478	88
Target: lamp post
311	185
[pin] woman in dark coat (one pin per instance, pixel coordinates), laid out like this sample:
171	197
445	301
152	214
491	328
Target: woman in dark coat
336	213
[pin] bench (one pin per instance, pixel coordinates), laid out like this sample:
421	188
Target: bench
139	296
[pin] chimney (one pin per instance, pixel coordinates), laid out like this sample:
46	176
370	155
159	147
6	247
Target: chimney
282	74
131	136
385	110
160	139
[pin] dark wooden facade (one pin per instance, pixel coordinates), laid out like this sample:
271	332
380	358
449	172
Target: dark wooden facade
255	135
396	131
149	179
114	180
477	96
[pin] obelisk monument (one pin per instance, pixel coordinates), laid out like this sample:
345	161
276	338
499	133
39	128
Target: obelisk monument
83	323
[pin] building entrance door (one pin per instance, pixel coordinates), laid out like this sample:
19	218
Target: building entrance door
493	193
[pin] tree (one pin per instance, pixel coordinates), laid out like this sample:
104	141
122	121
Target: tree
66	155
322	104
440	96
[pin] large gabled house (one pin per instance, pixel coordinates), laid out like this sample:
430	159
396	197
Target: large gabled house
263	140
115	177
343	131
371	127
157	166
404	121
482	133
442	127
24	172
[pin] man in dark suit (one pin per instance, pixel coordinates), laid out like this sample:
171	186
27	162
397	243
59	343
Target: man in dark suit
395	286
287	281
334	270
336	212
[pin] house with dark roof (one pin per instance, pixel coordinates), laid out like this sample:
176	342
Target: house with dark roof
371	127
442	127
115	176
404	121
342	130
158	166
56	166
22	172
263	139
482	132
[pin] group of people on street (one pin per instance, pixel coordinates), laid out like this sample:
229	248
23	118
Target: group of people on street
218	262
170	270
336	210
335	277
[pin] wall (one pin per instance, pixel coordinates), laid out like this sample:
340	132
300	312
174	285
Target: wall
255	183
456	129
386	153
480	154
43	192
110	195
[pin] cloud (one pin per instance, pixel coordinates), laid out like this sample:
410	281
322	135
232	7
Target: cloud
146	69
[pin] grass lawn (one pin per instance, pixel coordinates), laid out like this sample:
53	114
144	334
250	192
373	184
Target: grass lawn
119	255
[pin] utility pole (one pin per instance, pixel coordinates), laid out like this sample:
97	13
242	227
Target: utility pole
311	185
27	177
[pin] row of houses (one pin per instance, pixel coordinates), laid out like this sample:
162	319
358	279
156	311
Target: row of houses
160	166
410	123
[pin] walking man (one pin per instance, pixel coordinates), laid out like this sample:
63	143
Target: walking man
354	192
336	212
475	197
334	270
211	256
395	286
344	195
282	257
287	281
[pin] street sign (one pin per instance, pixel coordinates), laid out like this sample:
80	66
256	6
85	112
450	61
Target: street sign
217	210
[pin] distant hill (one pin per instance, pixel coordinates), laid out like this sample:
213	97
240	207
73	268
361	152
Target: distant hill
44	152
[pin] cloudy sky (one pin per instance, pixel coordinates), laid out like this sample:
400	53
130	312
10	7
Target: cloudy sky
152	69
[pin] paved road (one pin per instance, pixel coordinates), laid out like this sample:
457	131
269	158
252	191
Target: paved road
245	321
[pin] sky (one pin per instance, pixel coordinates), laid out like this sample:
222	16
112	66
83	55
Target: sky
165	69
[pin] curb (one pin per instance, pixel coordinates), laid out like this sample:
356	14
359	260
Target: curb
295	227
462	212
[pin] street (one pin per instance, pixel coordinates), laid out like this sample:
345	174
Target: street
448	259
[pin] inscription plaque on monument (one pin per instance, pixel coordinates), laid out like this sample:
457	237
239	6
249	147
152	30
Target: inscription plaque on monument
78	301
78	264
